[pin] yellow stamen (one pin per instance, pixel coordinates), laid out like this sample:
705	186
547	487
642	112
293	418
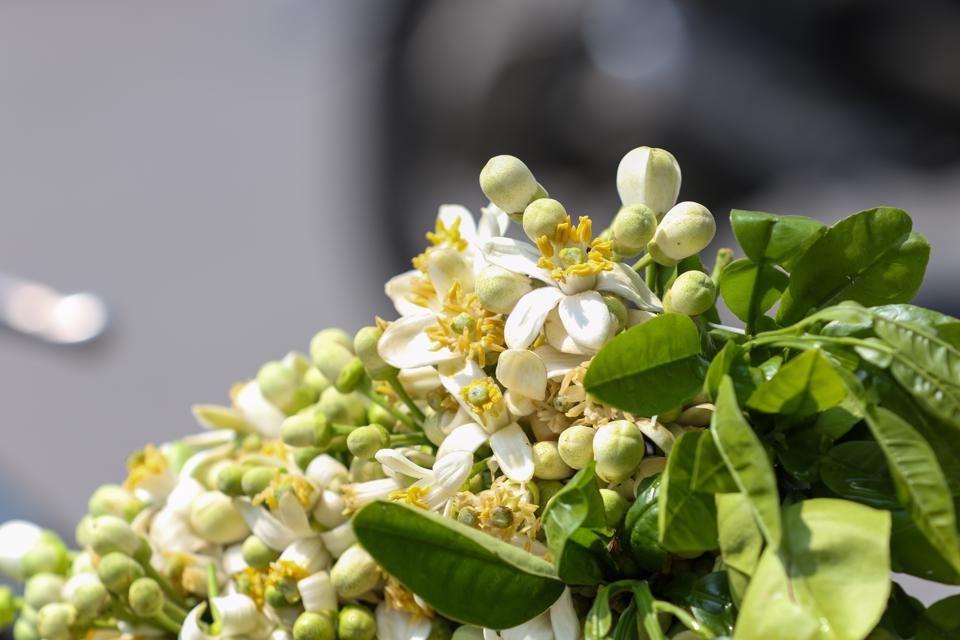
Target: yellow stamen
477	338
598	252
143	464
299	486
401	599
412	495
444	236
274	449
493	405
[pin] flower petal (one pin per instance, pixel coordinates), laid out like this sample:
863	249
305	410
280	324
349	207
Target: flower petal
258	411
274	533
307	553
400	289
627	283
468	437
396	461
17	538
324	470
525	322
405	343
523	372
558	338
536	629
516	256
400	625
317	593
557	363
339	539
513	452
238	614
563	618
519	404
494	222
586	318
450	472
456	381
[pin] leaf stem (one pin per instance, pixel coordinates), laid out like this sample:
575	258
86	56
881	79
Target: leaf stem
685	618
376	398
405	397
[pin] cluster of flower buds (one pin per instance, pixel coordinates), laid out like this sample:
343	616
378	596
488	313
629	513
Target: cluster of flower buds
470	404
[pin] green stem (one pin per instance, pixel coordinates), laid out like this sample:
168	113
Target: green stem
406	399
174	611
213	590
407	439
168	588
642	263
343	429
724	257
163	621
685	618
651	276
376	398
479	467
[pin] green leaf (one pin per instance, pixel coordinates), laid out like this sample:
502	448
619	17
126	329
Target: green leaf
464	574
750	289
902	614
639	537
947	328
599	619
651	368
870	257
626	628
765	237
806	385
912	553
575	525
711	604
802	448
828	580
747	461
687	519
920	483
729	361
941	621
710	474
857	471
646	614
740	540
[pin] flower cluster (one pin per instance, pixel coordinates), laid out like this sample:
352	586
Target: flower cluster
470	404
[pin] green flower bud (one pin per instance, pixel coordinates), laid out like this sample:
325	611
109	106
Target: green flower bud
83	534
633	227
308	429
547	463
145	597
178	453
48	555
214	518
618	448
276	598
576	445
499	290
649	177
251	443
379	415
355	573
230	479
467	632
314	626
303	456
618	309
55	619
256	479
692	293
214	416
351	375
362	470
365	345
508	183
42	589
316	380
614	507
110	533
330	358
364	442
257	554
114	500
356	622
501	517
25	630
8	607
90	600
117	572
686	230
279	384
541	218
342	408
440	630
326	336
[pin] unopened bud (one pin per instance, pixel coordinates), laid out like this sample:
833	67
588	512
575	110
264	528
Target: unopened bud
279	384
365	345
541	218
256	479
364	442
330	358
8	607
55	619
351	375
499	289
110	534
575	445
618	448
114	500
326	336
48	555
117	572
43	589
355	573
685	230
145	597
692	293
547	463
214	518
356	622
379	415
257	554
508	183
90	599
342	408
614	507
633	227
230	479
314	626
307	429
650	177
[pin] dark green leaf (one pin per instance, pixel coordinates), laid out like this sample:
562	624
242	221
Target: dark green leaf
646	614
599	619
485	582
687	518
941	621
626	628
902	614
651	368
750	289
640	538
912	553
730	361
765	237
740	540
710	474
870	257
806	385
858	471
828	580
711	604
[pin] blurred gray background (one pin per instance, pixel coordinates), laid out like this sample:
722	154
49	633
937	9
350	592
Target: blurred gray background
232	175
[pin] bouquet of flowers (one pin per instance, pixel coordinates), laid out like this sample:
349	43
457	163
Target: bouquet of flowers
557	439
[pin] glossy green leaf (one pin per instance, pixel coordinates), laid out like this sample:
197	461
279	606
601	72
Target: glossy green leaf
765	237
750	289
626	628
902	614
802	448
912	553
747	461
941	621
740	540
599	619
857	471
651	368
828	580
920	483
711	604
806	385
646	614
575	526
870	257
484	582
639	537
710	474
730	361
687	518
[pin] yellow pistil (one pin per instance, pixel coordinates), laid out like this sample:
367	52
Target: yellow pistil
412	495
253	584
466	327
444	236
400	598
274	449
484	396
594	255
285	483
502	493
143	464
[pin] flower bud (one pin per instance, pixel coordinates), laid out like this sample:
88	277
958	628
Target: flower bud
379	415
508	183
343	408
308	429
114	500
214	518
618	309
365	345
576	445
633	227
25	630
55	619
330	358
614	507
230	479
499	289
355	573
281	386
314	626
356	622
326	336
145	597
316	380
48	555
692	293
43	589
110	533
117	572
8	607
618	448
257	554
685	230
17	538
90	599
364	442
365	470
650	177
466	632
547	463
541	218
351	375
256	479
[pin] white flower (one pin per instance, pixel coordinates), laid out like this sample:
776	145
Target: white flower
17	538
317	593
170	529
308	553
439	483
240	620
339	539
400	625
559	622
278	529
576	269
258	411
